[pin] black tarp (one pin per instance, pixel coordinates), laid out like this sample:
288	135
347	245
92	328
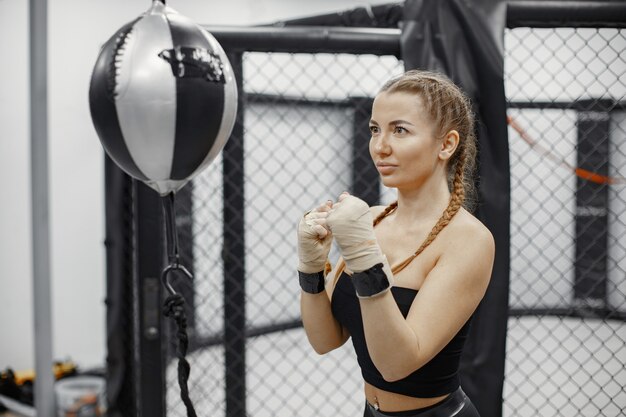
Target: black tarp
464	40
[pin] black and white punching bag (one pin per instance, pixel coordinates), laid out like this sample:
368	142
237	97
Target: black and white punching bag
163	98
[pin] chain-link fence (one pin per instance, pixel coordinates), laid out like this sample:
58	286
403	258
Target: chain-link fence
298	128
297	143
566	345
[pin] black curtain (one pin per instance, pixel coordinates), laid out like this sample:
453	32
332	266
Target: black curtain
464	40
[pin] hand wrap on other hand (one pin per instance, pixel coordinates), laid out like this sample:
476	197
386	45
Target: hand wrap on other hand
352	226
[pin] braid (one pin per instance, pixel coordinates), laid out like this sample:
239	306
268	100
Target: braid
391	207
456	202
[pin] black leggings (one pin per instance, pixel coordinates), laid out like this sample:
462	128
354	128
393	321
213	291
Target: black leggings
456	404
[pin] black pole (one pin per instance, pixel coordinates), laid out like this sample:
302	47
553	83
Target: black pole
184	227
121	366
234	259
365	180
149	255
592	205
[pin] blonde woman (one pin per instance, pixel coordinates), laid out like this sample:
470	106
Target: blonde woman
411	274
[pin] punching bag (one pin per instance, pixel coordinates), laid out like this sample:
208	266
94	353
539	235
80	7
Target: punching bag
163	98
163	101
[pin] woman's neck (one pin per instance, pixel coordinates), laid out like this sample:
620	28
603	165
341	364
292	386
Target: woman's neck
426	202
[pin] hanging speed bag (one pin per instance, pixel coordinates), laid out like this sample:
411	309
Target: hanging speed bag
163	98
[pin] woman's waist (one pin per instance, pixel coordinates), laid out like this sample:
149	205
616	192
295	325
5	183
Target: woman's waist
391	401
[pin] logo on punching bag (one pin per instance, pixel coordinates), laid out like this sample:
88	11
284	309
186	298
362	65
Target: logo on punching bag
194	63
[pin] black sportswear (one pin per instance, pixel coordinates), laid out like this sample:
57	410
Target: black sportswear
437	377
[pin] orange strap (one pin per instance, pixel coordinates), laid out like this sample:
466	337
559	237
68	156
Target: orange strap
580	172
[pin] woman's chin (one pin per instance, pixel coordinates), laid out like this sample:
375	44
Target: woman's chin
388	182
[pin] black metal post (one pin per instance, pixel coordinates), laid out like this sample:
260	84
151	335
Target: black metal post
234	258
184	223
365	184
149	255
592	199
119	296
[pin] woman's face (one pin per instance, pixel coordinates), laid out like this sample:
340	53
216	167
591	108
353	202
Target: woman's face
403	146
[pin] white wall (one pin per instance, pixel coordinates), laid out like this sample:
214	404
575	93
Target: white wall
77	28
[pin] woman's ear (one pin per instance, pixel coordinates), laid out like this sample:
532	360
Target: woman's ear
448	145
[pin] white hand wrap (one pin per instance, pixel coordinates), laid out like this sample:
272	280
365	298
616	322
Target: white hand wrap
314	241
351	222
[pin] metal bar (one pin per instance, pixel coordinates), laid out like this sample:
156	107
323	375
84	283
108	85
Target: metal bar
562	105
149	255
384	15
607	314
308	39
45	403
209	341
552	14
275	99
600	314
384	41
519	13
234	258
259	98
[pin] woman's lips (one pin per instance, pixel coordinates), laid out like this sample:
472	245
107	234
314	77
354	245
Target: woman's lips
385	169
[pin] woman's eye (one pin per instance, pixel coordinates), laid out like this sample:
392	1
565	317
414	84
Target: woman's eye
399	130
373	129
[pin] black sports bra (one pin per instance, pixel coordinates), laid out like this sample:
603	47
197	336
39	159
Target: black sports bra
437	377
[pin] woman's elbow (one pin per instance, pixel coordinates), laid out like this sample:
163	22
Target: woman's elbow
324	348
323	345
391	373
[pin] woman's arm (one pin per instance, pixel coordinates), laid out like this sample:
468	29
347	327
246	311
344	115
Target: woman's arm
446	300
322	329
314	242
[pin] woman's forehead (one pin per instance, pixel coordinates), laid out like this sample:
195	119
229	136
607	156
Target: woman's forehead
398	104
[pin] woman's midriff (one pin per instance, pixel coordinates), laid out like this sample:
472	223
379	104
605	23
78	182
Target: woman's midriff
390	401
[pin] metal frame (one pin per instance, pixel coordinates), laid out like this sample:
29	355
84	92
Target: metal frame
375	41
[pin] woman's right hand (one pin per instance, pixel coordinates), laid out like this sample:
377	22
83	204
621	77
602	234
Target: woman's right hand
314	239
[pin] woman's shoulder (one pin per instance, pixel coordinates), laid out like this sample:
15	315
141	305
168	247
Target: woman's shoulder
469	228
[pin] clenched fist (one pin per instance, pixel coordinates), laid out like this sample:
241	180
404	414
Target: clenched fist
352	226
314	239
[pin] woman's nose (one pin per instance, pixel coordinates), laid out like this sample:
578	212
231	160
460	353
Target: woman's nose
381	145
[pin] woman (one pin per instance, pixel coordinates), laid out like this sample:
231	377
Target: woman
411	274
